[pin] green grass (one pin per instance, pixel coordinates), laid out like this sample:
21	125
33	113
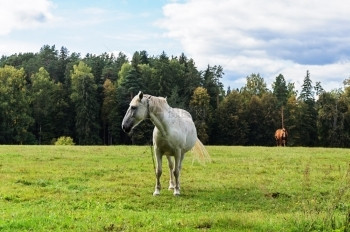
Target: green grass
73	188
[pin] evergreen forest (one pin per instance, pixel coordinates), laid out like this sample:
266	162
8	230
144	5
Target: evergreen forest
54	93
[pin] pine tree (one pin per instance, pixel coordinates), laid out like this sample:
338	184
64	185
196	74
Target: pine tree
280	90
318	88
133	82
211	82
307	93
308	116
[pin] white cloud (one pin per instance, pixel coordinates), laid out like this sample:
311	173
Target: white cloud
269	38
330	75
21	14
7	47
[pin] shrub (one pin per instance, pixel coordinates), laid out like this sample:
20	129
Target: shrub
64	140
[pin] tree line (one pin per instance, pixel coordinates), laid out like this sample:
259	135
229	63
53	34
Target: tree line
54	93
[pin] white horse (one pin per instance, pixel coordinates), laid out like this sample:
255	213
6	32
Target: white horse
174	134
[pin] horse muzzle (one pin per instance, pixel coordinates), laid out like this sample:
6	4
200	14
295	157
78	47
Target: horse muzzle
126	128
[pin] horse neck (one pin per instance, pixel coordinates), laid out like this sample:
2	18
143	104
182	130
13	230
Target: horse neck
158	115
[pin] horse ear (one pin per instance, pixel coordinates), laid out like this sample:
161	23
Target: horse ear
140	95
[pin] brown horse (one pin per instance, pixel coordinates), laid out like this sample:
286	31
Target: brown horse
281	137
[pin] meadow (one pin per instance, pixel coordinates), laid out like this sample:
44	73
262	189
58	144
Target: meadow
109	188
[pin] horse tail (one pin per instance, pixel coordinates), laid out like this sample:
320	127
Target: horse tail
200	153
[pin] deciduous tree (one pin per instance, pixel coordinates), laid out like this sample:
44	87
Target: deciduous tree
15	112
86	105
200	109
42	90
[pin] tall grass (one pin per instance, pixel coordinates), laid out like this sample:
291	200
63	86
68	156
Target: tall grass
72	188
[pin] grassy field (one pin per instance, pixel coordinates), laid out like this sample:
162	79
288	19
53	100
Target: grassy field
73	188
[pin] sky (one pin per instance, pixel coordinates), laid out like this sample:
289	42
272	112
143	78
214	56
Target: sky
268	38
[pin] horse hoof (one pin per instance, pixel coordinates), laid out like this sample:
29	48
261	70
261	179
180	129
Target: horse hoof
156	193
176	193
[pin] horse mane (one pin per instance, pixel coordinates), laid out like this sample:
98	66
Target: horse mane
157	104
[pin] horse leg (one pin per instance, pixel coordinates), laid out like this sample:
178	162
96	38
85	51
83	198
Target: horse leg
181	159
158	156
177	168
172	177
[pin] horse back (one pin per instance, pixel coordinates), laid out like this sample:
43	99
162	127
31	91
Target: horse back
181	131
278	133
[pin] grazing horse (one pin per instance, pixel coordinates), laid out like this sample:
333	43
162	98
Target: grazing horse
281	137
174	134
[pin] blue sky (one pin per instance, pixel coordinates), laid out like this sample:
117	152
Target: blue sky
92	27
243	36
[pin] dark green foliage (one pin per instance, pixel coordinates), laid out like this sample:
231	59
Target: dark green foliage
231	121
163	75
48	59
62	119
307	121
262	117
142	134
133	81
86	106
107	111
15	112
332	127
291	119
123	99
307	93
211	82
280	90
192	78
175	100
46	95
42	92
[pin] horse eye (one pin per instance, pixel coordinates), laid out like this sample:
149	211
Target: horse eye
133	107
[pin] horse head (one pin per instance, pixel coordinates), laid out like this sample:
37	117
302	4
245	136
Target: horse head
138	110
284	134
